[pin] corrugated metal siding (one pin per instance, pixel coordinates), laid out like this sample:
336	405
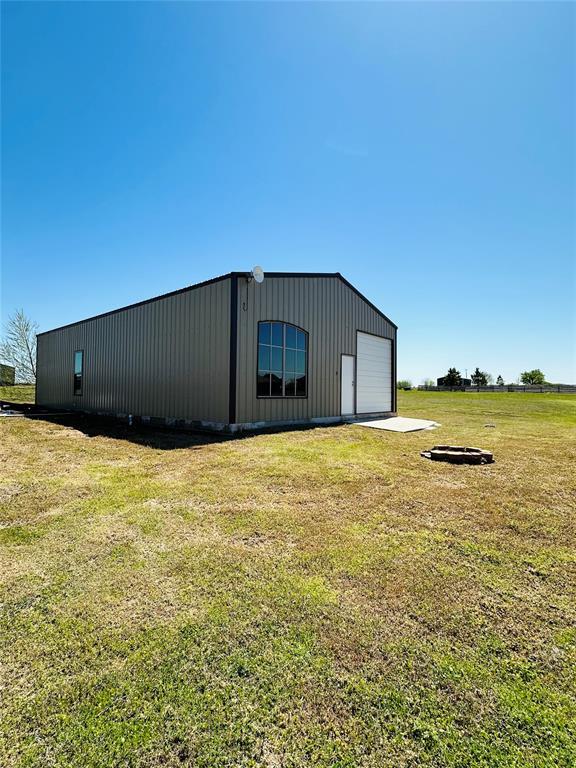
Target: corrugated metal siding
330	312
168	358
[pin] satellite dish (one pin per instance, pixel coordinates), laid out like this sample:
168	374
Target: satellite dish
258	274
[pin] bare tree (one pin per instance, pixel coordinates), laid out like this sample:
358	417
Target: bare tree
18	346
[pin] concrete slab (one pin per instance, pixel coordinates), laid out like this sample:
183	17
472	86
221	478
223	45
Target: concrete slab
399	424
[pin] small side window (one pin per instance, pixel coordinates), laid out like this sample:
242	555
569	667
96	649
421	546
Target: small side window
78	371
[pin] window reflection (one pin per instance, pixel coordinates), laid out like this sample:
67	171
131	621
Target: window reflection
282	360
78	371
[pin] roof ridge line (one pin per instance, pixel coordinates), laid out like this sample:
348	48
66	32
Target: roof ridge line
226	276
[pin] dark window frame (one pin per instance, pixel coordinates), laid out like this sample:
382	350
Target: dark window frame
283	396
78	390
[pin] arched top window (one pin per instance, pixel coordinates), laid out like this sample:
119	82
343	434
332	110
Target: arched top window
282	360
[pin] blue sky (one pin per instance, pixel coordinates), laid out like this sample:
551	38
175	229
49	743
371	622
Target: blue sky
426	151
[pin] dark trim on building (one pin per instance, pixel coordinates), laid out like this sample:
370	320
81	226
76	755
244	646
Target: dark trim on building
331	274
370	333
361	296
297	274
142	303
394	382
283	397
324	274
217	280
81	392
233	349
393	374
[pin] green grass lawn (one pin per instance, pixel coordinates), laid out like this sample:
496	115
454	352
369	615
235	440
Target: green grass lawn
19	393
312	598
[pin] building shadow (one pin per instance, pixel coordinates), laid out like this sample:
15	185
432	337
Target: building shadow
165	438
149	436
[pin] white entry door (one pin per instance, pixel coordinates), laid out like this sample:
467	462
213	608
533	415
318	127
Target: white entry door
374	373
347	374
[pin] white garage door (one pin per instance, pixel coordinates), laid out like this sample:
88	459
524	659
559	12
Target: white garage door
373	374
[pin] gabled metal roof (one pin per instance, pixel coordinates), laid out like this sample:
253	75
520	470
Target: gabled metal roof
193	287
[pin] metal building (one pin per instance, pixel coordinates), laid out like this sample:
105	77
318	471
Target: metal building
230	353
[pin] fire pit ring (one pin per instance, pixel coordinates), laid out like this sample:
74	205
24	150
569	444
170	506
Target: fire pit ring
457	454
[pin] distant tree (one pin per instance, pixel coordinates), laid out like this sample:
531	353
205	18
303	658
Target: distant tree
533	377
453	378
18	347
428	383
479	378
404	384
500	381
489	378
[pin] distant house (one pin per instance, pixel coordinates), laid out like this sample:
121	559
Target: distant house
236	352
441	382
7	375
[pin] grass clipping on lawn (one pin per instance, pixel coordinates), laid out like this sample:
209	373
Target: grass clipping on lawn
322	597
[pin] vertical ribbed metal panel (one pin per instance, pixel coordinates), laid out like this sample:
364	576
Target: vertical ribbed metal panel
331	313
167	358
